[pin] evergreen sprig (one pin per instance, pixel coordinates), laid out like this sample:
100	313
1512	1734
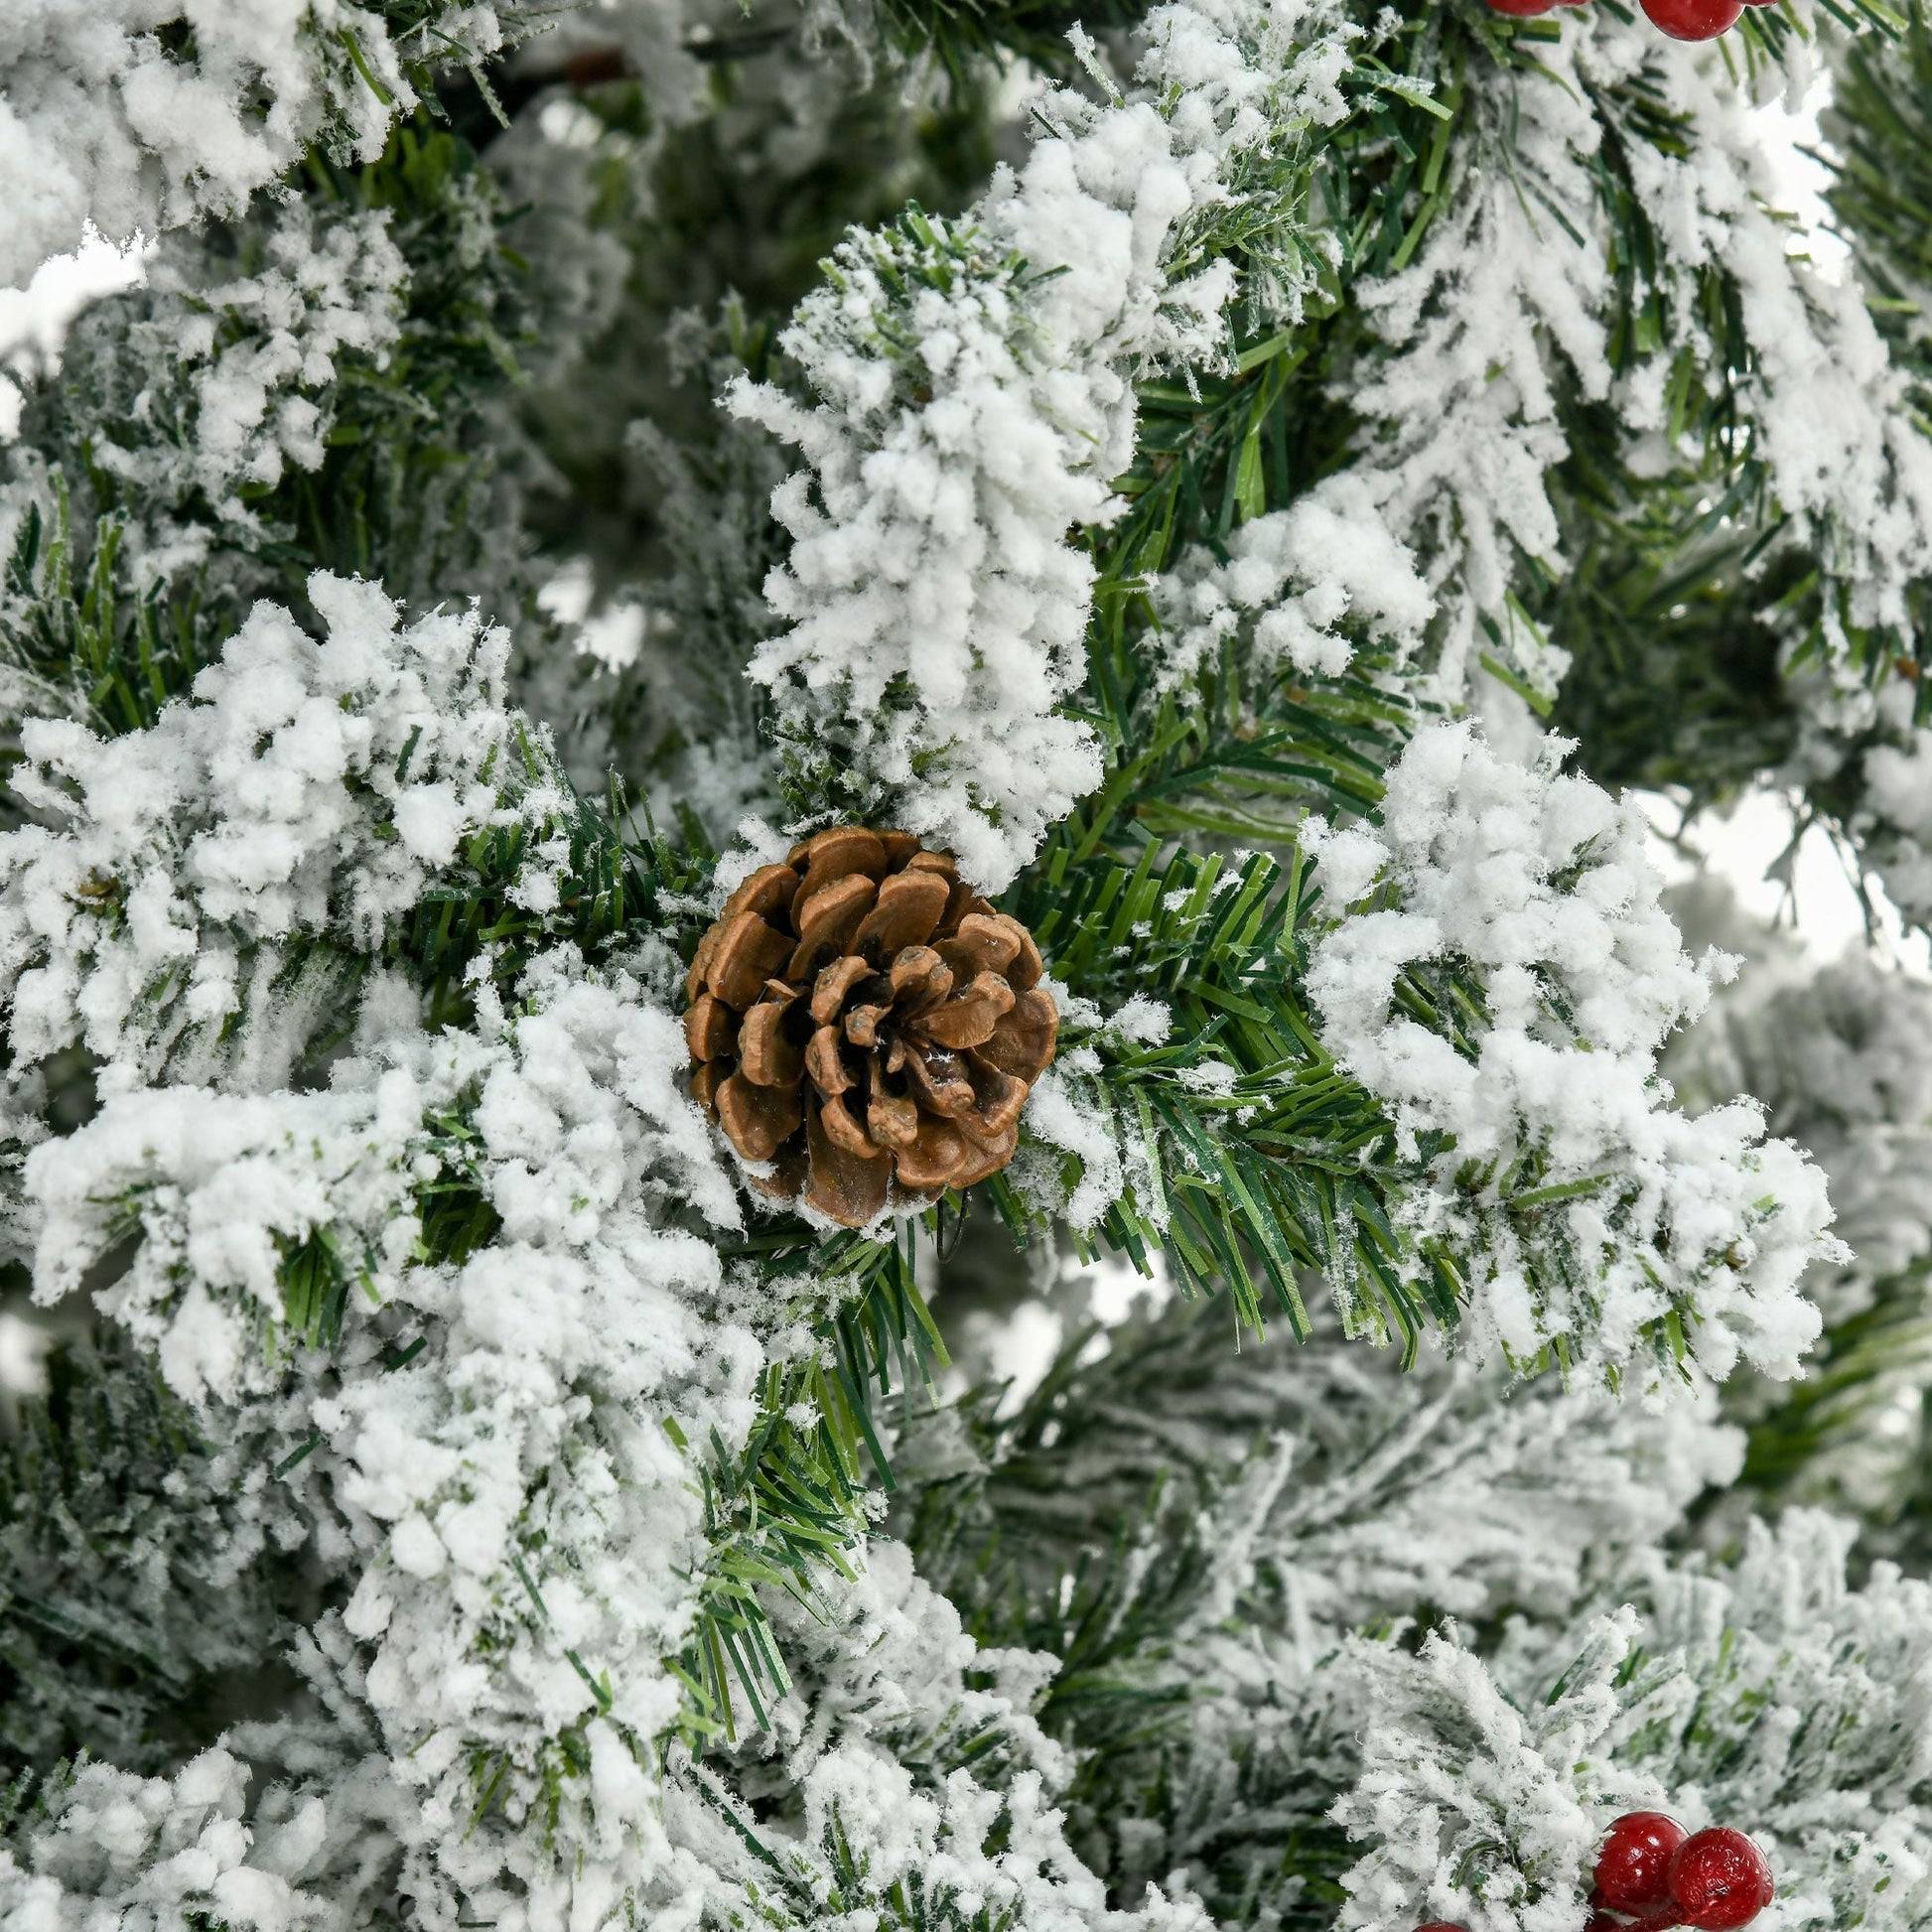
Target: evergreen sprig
792	1502
1088	1523
1693	583
411	490
1812	1445
1877	126
1260	1159
120	1625
84	632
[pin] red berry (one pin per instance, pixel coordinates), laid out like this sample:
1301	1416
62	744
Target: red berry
1634	1864
1660	1919
1693	20
1441	1925
1519	10
1719	1880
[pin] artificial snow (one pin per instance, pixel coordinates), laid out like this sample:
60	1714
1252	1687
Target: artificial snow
1536	881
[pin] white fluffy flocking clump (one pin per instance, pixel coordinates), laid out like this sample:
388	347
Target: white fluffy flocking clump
493	1450
976	401
1599	1220
139	117
1309	577
250	366
306	790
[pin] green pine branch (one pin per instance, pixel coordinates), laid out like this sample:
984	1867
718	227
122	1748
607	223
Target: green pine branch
411	490
1286	1167
1084	1524
1814	1445
791	1504
118	1626
76	624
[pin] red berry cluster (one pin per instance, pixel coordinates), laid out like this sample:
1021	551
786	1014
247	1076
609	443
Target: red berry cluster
1651	1873
1682	20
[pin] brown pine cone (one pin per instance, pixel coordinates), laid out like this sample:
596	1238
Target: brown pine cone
862	1017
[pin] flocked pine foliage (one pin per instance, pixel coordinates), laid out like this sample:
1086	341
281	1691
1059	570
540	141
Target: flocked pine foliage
1252	481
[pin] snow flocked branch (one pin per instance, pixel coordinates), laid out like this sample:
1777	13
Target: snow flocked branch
1764	1694
138	118
1196	1535
1506	1159
198	891
466	1308
1597	1221
975	386
1514	314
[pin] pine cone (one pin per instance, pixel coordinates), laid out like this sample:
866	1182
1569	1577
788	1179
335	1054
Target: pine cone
862	1017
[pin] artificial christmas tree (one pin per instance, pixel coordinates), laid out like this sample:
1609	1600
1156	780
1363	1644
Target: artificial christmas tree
709	705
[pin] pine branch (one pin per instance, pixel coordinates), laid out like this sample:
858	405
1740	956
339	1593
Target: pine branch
1091	1523
116	651
1285	1166
121	1610
792	1503
1878	126
410	488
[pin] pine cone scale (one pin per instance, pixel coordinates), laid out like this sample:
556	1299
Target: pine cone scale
828	923
757	1120
824	1064
747	955
907	913
766	1057
1024	1038
863	1021
835	985
709	1029
968	1019
843	1184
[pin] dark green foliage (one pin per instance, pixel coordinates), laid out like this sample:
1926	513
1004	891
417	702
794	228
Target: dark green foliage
793	1499
1687	598
714	542
428	51
961	34
623	882
1223	448
117	652
1686	593
1879	129
1865	1365
1675	679
1220	448
1675	618
414	487
137	1607
1292	1166
1090	1523
1677	648
1877	126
